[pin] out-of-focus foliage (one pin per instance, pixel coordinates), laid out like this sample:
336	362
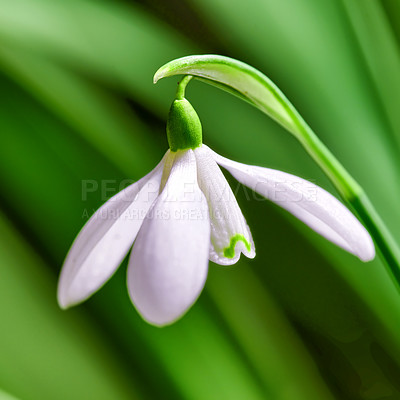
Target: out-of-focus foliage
303	320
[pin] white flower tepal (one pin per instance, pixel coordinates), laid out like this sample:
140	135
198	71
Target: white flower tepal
183	214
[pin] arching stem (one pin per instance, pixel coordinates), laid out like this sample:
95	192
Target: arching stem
180	91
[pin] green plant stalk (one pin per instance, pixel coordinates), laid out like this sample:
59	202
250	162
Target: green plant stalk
250	85
180	91
353	194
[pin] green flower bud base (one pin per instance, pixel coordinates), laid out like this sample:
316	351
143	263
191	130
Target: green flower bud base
183	126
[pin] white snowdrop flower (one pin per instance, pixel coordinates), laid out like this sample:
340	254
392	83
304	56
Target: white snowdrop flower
183	214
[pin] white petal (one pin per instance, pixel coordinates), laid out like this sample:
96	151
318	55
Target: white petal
169	260
104	241
230	234
311	204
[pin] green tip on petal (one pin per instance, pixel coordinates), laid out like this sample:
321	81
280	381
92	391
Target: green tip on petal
229	252
183	126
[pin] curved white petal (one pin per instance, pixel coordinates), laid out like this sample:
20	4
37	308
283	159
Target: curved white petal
311	204
169	260
230	234
104	241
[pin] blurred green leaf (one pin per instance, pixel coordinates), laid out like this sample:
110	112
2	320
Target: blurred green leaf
265	335
382	56
104	122
6	396
118	42
42	346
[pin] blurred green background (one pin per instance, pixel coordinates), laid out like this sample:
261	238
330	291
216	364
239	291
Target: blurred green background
303	320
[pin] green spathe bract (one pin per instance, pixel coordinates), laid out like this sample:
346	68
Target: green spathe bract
229	252
183	126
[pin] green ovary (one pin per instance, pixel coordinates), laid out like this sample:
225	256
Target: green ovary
229	252
183	126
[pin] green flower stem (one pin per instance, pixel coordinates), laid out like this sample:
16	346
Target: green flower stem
342	180
254	87
180	92
387	246
353	194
